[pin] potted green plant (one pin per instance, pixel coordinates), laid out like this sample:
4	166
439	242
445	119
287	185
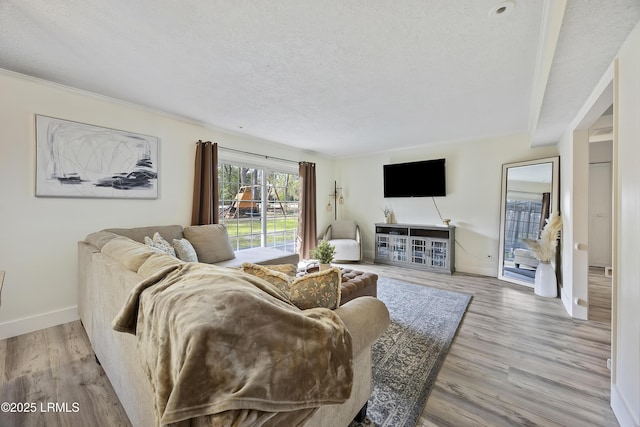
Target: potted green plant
324	253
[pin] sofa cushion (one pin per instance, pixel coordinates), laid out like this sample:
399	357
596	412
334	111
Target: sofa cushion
100	238
262	256
126	251
157	262
138	234
320	289
159	244
344	229
346	250
185	250
211	242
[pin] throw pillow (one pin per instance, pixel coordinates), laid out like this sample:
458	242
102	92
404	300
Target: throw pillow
211	242
289	269
159	244
184	250
321	289
277	278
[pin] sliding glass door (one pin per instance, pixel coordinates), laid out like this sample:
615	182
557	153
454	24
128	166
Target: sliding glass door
258	206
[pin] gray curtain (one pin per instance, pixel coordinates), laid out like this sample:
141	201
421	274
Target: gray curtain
307	234
205	185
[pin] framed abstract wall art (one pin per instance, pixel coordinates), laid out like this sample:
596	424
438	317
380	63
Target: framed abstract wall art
82	160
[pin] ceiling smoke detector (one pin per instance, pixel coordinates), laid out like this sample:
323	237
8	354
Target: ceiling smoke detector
502	8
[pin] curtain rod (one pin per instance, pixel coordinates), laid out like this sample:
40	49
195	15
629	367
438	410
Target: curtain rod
258	155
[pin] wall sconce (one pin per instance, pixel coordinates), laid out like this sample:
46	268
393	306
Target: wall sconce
333	197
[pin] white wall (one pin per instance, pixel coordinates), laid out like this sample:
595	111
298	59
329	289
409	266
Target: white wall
39	235
473	169
600	203
574	159
574	208
601	152
625	392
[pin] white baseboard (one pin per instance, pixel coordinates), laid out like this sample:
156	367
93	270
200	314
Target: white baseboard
566	301
479	270
25	325
621	410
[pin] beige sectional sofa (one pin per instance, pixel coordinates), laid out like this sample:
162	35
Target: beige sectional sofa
215	248
106	279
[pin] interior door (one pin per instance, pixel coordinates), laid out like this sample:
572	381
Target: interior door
600	214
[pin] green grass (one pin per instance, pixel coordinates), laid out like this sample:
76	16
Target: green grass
280	231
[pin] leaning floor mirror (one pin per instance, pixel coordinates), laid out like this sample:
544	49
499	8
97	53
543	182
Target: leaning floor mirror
529	195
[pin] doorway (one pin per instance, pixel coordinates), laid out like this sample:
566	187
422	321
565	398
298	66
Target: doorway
600	214
600	217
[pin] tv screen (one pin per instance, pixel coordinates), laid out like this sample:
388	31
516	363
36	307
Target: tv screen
425	178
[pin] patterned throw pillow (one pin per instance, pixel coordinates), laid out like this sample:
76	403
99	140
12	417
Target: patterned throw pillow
289	269
184	250
321	289
277	278
159	244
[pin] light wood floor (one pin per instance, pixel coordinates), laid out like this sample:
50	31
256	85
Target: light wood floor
599	295
518	359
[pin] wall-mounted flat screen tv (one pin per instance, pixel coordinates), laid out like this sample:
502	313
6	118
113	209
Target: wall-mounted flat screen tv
424	178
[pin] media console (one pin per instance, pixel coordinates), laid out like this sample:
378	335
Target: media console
427	247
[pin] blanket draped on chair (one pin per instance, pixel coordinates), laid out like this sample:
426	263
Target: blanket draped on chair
213	339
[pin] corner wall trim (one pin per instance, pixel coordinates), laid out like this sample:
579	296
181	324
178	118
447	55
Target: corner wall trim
621	410
566	301
25	325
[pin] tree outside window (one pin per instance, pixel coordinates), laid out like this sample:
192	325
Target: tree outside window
259	207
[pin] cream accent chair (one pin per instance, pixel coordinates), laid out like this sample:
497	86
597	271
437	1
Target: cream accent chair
345	236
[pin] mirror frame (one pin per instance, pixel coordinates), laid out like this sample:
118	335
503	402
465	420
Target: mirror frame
555	186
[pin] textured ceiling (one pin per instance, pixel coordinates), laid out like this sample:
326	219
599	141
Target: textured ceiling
591	34
331	76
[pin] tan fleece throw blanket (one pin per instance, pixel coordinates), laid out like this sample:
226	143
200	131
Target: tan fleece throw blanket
214	339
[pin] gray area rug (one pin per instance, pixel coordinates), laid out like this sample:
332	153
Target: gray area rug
408	356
